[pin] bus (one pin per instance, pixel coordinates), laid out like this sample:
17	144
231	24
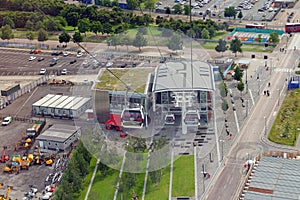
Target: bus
292	27
257	26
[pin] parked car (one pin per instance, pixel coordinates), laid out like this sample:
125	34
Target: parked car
52	63
79	55
40	59
73	61
7	120
43	71
66	53
85	64
31	58
37	51
63	72
56	53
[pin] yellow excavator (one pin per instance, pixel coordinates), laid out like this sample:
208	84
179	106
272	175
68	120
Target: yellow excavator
2	197
38	157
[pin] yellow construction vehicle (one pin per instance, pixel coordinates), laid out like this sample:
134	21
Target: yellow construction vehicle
6	197
48	160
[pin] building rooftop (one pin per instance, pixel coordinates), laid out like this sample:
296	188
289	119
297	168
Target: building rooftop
58	132
135	78
275	178
178	75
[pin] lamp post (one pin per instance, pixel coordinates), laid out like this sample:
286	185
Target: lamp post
278	97
222	141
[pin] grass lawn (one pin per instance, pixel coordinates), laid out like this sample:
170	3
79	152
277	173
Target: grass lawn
219	35
286	127
183	177
87	179
104	186
160	190
137	189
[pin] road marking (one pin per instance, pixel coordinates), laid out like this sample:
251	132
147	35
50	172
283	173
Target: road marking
252	99
287	70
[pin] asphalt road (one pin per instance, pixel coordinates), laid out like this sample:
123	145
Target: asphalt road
226	183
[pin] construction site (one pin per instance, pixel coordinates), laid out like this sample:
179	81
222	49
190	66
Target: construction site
31	167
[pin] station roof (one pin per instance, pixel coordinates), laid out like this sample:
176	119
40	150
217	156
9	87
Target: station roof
275	178
183	75
136	78
58	133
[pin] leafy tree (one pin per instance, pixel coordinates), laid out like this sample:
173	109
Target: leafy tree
224	105
175	42
205	34
186	9
64	37
30	35
77	37
230	12
39	25
259	38
139	41
84	25
50	25
221	47
238	74
155	176
113	41
149	4
7	32
177	9
125	40
29	25
240	86
42	35
96	27
72	19
223	89
8	21
274	37
168	11
240	15
132	4
236	46
107	28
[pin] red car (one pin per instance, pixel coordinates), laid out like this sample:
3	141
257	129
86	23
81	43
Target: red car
37	51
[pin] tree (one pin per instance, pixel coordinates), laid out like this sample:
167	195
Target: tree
155	176
221	47
96	27
42	35
230	12
30	35
240	86
238	74
125	40
113	41
64	37
168	10
150	4
223	89
240	15
224	105
175	43
205	34
139	41
186	9
29	25
177	9
8	21
132	4
236	46
7	32
107	28
259	38
84	25
274	37
77	37
72	19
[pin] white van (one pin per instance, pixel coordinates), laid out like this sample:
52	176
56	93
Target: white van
6	121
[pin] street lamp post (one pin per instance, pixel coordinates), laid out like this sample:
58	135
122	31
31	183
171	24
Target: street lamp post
278	97
222	141
265	118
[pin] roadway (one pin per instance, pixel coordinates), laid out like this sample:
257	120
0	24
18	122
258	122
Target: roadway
230	174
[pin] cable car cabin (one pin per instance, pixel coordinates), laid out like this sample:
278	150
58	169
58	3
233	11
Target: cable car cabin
132	118
170	119
192	118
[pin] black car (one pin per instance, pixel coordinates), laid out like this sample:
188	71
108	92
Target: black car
56	53
52	63
40	59
73	61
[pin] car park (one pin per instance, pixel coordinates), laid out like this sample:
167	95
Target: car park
85	63
7	120
43	71
66	53
40	59
31	58
63	72
73	61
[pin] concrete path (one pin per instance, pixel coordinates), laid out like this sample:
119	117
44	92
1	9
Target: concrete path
92	180
119	178
171	172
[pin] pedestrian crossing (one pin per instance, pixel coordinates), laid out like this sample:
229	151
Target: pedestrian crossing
284	70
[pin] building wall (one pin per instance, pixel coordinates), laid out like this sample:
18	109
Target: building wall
101	105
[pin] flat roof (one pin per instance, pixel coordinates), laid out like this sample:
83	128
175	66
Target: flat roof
65	102
80	103
136	78
52	100
183	75
58	101
275	178
43	100
58	133
72	103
